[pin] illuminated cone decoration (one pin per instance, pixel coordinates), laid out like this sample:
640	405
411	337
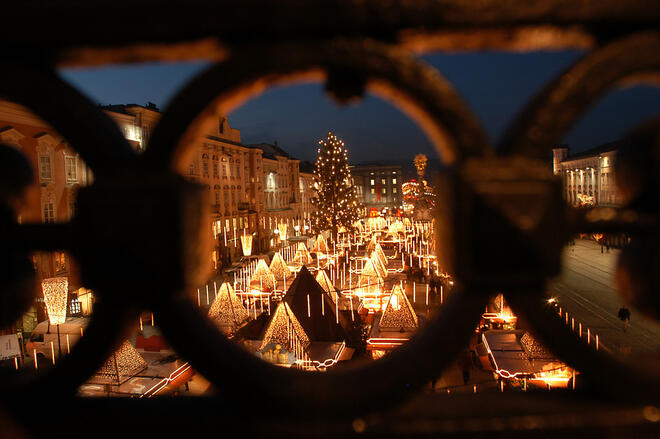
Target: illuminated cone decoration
369	282
262	277
284	329
381	255
302	255
372	244
125	363
279	268
399	313
246	244
342	229
378	265
55	291
323	280
320	246
227	310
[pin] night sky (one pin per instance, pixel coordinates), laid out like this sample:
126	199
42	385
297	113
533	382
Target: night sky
495	86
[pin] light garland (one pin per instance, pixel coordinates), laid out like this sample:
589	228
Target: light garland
399	313
285	329
263	277
55	291
323	280
227	310
279	268
123	364
302	255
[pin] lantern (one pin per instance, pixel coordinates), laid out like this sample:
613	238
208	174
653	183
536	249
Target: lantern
55	297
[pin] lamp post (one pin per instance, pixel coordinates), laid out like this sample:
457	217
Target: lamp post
55	290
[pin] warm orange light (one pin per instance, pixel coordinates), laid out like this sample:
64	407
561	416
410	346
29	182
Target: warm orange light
55	291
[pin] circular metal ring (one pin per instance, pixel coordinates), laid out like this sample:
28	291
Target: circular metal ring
553	111
540	126
100	143
426	97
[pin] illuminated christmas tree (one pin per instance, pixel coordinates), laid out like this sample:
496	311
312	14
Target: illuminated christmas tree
399	313
369	282
335	201
227	310
279	268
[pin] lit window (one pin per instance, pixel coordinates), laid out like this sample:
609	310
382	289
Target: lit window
372	182
373	190
71	168
394	190
44	167
394	181
383	181
384	190
48	213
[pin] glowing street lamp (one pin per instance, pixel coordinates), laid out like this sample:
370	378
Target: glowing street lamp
55	291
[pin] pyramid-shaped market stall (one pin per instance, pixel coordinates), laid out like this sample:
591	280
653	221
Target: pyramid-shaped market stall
372	244
320	246
381	254
399	313
227	310
369	282
315	309
381	268
123	364
262	277
279	268
325	282
302	255
359	226
285	330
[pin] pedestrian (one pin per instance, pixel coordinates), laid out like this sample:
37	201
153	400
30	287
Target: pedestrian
624	316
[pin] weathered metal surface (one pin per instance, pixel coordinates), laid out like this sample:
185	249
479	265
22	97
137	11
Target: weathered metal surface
507	204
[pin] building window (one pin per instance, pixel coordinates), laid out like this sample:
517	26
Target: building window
372	182
71	169
60	262
383	181
48	213
233	220
373	190
394	181
394	190
384	190
217	197
216	172
205	167
44	167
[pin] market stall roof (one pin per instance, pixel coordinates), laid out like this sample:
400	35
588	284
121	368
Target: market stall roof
510	356
227	310
315	309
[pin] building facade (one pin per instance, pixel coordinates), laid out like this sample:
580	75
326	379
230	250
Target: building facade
378	186
252	188
588	177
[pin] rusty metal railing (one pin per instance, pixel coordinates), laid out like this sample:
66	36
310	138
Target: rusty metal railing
353	47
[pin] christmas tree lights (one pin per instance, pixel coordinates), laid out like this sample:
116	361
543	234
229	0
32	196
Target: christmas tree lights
369	282
399	313
378	265
227	310
335	201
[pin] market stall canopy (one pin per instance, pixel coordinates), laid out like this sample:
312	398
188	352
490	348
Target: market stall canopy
279	268
399	313
227	310
315	309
